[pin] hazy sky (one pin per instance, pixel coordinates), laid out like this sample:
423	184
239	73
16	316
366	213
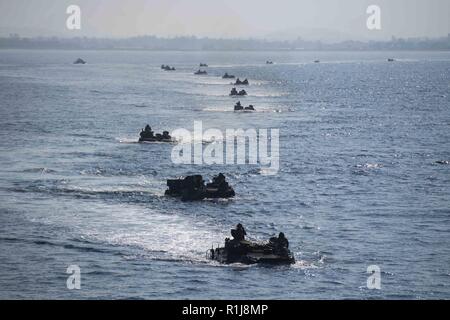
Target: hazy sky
310	19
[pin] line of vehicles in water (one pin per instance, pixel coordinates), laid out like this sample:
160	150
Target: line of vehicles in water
238	249
194	188
234	92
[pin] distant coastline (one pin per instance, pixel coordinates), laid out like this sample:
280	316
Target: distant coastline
154	43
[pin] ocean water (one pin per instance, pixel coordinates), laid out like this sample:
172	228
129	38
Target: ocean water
358	184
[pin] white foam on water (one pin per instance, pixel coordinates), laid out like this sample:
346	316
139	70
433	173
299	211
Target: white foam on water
127	140
302	265
155	234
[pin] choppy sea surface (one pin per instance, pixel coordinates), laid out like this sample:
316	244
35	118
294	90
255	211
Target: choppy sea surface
363	177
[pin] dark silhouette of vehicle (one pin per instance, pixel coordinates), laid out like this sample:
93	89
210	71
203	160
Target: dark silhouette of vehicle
147	135
239	250
193	188
168	68
79	61
228	76
239	107
234	92
241	83
201	72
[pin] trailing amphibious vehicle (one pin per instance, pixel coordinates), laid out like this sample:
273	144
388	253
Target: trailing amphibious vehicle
241	83
238	107
193	188
238	250
79	61
147	135
201	72
167	68
234	92
228	76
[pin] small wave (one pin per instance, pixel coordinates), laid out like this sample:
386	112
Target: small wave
90	248
268	171
209	81
135	141
114	172
8	239
266	95
39	170
366	169
369	166
225	93
81	135
116	194
302	264
91	192
100	273
200	93
249	173
127	140
83	154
